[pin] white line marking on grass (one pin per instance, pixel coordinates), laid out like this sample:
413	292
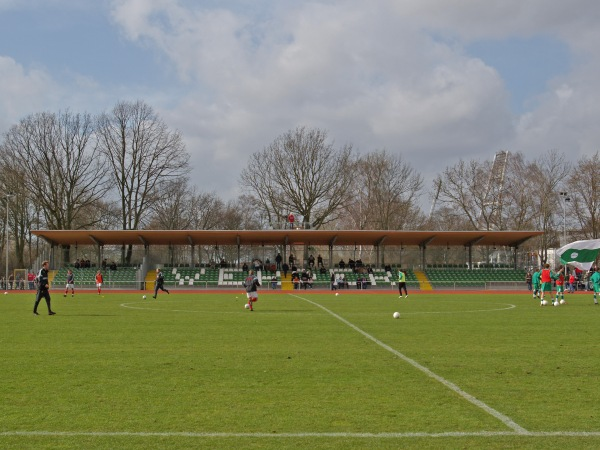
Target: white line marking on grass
459	434
497	414
509	306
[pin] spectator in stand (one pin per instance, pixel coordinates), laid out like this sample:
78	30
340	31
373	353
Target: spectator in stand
528	279
245	267
333	282
274	282
113	266
351	264
291	219
296	281
291	259
342	264
311	261
319	261
285	269
388	268
278	260
77	264
304	279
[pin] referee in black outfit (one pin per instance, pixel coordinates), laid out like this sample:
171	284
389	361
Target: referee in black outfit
43	290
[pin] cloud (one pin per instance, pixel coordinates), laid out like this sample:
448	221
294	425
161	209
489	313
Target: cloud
370	76
22	91
382	74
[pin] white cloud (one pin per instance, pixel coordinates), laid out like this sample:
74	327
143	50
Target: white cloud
370	76
22	91
381	74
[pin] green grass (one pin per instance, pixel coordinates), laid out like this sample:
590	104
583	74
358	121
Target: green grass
304	370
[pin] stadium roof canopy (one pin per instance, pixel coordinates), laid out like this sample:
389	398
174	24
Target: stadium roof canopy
285	237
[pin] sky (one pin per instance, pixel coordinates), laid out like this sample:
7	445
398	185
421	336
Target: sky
434	81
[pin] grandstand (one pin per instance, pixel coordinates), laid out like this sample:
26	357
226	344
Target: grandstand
435	276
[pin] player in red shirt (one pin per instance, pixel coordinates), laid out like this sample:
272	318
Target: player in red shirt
99	281
546	279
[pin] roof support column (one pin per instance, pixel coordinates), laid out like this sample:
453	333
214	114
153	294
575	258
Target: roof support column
192	251
331	243
99	248
470	255
516	250
284	258
378	244
423	248
237	240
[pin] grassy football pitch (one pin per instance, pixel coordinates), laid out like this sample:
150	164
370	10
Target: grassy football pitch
304	370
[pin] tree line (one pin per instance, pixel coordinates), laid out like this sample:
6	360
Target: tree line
126	169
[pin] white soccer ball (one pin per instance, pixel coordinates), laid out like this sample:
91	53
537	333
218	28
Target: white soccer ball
5	293
544	302
144	297
562	302
556	303
247	306
337	293
396	315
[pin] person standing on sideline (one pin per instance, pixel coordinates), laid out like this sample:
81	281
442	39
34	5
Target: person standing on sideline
251	284
99	281
43	290
402	283
70	283
528	279
572	283
537	283
595	280
560	284
159	283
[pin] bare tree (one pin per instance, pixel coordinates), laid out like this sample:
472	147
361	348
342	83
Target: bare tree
463	189
548	171
62	170
583	188
300	172
388	190
141	153
521	186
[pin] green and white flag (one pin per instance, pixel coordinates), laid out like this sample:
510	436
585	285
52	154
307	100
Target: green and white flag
580	254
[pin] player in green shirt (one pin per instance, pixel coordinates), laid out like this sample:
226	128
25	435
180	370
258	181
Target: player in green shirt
595	279
537	283
402	283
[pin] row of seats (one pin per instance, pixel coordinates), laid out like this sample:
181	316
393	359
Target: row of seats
87	276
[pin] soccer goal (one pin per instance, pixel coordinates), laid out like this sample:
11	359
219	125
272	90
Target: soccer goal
20	279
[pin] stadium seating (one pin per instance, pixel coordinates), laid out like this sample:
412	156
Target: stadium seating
123	277
478	278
